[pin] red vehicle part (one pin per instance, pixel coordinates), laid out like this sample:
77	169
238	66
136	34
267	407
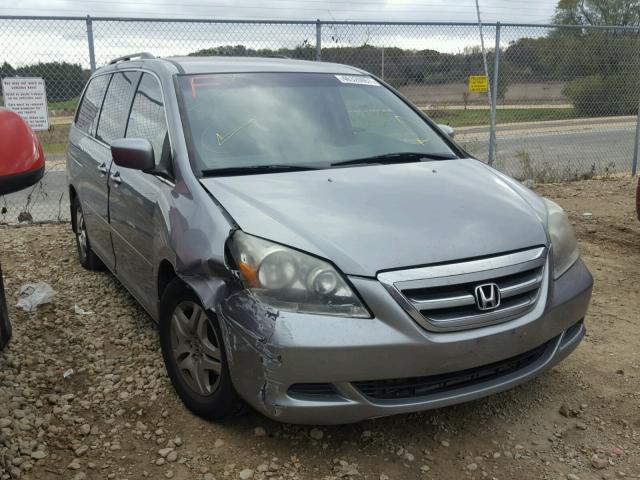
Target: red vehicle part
21	156
21	165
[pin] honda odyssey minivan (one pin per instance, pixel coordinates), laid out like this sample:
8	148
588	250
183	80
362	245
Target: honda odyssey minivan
312	244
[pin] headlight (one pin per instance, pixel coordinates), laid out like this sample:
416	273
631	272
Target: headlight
563	239
293	281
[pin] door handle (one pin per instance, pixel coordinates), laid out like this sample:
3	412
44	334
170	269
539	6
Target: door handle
102	168
116	178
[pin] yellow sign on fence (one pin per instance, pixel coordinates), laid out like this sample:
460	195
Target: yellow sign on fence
479	83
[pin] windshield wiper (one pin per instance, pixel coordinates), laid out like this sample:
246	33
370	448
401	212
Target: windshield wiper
395	158
255	169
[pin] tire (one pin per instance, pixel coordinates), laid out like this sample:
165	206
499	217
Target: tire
5	324
194	355
87	257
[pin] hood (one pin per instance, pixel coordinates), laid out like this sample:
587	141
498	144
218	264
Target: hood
374	218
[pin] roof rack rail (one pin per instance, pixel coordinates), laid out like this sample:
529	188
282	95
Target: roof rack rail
141	55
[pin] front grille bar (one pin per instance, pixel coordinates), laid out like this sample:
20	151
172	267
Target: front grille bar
445	303
522	287
481	319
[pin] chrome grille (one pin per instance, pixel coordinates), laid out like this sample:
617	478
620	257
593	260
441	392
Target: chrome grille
441	297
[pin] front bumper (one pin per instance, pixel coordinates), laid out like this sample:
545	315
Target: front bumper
269	351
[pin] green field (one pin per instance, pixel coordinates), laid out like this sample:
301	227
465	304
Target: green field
466	118
70	104
54	148
54	141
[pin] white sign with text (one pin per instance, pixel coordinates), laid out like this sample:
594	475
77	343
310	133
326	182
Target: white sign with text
28	98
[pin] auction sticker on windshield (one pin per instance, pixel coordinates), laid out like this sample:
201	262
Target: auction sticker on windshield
358	80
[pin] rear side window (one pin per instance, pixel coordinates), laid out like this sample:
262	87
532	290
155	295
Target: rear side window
147	118
87	117
116	106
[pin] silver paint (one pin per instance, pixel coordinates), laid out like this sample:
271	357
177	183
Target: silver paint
365	220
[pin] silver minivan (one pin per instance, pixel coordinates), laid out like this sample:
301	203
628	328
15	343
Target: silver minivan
311	244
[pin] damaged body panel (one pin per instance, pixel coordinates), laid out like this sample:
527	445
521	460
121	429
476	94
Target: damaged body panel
293	350
326	264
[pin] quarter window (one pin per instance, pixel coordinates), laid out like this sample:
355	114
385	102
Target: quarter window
116	105
87	116
147	118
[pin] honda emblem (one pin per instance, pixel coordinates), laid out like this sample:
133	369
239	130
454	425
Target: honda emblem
487	296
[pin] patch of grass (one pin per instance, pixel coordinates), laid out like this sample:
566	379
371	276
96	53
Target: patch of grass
54	148
465	118
55	134
54	141
524	167
70	104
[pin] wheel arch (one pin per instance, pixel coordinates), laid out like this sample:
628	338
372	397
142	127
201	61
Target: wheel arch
166	274
209	288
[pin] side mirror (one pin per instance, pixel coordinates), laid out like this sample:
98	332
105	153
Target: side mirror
133	153
447	130
21	155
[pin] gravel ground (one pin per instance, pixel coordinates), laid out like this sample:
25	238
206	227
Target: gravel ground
117	417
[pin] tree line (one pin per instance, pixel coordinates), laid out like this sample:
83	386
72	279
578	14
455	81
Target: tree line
600	68
63	80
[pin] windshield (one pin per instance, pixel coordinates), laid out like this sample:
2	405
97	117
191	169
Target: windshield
299	120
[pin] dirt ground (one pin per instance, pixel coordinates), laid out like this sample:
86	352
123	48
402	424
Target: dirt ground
517	93
117	417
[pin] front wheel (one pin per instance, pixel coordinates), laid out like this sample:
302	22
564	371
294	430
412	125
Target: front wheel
88	259
194	354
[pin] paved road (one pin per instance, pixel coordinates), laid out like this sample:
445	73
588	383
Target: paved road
540	154
45	202
564	154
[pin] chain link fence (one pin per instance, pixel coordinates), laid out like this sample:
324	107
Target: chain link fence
565	99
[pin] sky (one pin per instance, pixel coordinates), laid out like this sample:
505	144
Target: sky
514	11
25	42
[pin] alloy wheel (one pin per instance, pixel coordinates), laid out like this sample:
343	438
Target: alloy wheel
196	348
81	234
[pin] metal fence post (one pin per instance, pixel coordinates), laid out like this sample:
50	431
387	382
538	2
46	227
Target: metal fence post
318	41
92	53
494	97
634	165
